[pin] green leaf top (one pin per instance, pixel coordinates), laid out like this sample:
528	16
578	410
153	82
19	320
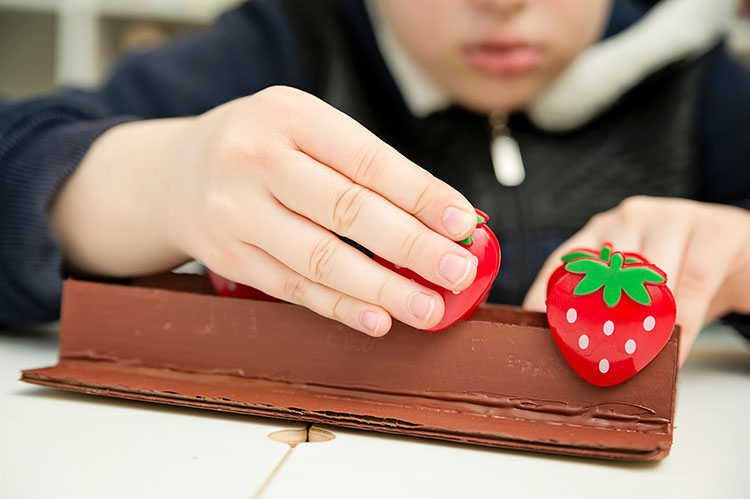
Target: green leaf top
604	254
470	239
615	279
582	253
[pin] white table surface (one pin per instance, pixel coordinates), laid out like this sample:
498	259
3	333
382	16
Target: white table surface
60	444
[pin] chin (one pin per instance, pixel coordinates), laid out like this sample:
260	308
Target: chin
486	103
485	95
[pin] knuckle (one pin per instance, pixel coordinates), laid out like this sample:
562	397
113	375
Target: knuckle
294	288
632	208
337	311
595	223
321	261
693	282
370	161
277	97
230	148
424	199
383	291
634	202
348	207
235	150
412	246
278	108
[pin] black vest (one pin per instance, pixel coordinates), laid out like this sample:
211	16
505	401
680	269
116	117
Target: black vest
642	145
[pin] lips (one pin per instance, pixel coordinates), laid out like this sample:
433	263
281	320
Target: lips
503	58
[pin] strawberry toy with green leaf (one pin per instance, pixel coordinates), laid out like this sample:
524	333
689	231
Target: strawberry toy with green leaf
483	244
610	318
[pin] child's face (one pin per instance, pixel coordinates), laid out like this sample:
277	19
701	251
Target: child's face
495	54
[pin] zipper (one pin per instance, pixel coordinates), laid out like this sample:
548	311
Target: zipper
507	164
506	155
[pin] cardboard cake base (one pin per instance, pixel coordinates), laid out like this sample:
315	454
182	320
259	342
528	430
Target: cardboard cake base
496	380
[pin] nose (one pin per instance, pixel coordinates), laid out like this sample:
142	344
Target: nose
499	8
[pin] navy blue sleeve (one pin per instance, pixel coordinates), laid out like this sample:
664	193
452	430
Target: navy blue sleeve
723	139
723	130
43	139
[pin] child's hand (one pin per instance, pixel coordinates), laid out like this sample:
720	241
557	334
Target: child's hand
255	190
704	249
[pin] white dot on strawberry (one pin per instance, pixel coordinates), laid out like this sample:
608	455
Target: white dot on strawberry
609	328
572	315
583	342
231	285
603	366
649	323
630	346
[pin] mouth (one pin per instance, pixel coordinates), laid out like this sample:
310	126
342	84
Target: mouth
504	58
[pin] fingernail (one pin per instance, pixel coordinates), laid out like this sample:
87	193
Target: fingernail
421	305
457	222
370	320
454	268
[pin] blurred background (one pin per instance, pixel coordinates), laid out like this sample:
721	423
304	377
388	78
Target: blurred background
45	43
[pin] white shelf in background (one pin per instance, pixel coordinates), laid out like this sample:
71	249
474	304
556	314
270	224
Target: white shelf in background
194	11
30	5
80	30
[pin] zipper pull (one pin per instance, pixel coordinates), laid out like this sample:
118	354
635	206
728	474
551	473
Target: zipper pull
506	155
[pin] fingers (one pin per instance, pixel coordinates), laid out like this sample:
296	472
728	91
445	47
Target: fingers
704	269
695	244
370	162
256	268
335	202
321	257
664	245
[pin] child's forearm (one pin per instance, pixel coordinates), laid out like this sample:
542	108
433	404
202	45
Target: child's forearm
107	216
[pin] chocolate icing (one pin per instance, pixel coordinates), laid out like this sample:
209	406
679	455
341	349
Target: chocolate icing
496	380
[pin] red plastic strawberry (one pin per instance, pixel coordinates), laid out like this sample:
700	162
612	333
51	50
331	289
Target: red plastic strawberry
483	245
224	287
604	254
610	318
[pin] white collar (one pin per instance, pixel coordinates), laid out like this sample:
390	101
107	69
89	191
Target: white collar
673	30
421	95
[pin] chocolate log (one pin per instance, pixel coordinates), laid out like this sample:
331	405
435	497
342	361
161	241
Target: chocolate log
496	380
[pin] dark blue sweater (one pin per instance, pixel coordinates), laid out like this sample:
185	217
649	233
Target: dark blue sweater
252	47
